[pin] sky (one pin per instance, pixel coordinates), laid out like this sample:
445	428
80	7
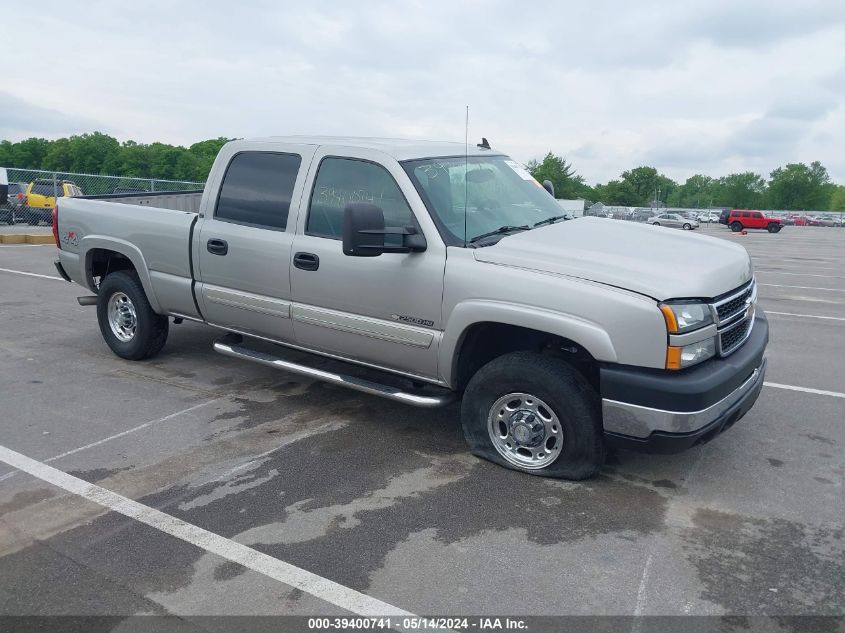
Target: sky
689	87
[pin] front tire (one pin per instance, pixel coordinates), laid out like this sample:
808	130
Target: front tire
655	223
736	227
535	414
774	228
127	321
687	227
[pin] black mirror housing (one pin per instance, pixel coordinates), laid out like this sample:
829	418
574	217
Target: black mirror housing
364	231
549	186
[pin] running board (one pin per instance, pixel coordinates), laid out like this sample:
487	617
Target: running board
231	345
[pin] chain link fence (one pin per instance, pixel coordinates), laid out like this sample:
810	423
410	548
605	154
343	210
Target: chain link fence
33	192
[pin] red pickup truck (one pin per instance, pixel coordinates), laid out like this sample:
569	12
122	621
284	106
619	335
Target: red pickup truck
739	219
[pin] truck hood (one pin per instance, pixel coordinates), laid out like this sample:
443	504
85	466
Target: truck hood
655	261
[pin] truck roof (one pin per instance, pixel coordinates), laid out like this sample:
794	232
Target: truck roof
400	149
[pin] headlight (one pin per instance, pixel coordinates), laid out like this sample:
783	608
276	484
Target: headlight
680	357
683	317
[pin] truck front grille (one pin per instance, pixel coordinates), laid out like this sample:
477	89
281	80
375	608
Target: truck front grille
734	336
733	317
734	305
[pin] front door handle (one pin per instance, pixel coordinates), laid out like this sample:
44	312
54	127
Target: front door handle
217	247
306	261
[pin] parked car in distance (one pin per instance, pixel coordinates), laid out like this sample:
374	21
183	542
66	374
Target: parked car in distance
673	220
740	219
15	208
723	216
708	217
41	198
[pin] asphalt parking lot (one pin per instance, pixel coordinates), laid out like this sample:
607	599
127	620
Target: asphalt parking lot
385	500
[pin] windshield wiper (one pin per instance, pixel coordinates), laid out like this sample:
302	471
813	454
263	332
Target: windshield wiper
507	228
550	220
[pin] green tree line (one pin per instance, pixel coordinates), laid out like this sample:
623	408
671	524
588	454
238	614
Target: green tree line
795	186
99	153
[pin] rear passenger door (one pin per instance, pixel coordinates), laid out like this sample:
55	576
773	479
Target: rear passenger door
244	245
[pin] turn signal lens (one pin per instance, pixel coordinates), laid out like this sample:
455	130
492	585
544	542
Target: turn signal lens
685	317
680	357
673	357
669	316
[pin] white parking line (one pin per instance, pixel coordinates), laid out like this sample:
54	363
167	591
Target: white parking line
134	429
806	316
641	592
784	286
279	570
818	392
21	272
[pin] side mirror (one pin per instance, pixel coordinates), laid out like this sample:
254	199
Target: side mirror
364	231
549	186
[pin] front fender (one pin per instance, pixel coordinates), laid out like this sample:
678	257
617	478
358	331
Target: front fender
591	336
128	250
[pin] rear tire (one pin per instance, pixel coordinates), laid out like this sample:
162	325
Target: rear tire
736	227
535	414
127	321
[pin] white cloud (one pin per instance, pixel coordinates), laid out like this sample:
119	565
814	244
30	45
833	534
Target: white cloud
707	86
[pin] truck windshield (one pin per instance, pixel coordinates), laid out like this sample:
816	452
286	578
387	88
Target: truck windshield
481	195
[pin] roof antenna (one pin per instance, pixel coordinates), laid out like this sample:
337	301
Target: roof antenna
466	171
483	144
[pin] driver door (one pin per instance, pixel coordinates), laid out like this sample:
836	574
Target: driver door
384	310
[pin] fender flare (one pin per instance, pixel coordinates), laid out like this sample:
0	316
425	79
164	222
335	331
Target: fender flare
129	251
591	336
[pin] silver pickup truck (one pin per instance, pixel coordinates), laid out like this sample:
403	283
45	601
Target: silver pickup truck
429	271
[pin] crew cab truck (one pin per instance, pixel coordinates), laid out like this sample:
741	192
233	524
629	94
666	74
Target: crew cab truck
738	220
430	271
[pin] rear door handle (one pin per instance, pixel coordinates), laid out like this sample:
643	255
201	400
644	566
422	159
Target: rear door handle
306	261
217	247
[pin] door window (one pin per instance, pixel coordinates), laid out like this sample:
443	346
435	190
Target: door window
257	189
344	180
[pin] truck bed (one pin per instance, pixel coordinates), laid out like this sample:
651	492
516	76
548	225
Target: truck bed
156	239
175	200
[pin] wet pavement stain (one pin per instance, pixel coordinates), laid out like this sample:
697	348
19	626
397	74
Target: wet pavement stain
26	498
287	398
775	463
665	483
228	570
341	502
740	563
819	438
97	474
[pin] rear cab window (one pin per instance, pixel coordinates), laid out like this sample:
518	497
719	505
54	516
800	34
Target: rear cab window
257	189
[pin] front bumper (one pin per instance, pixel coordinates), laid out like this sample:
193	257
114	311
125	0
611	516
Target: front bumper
667	412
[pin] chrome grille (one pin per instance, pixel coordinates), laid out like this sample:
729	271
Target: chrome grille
734	336
733	317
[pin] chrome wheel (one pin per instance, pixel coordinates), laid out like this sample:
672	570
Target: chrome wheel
122	317
525	431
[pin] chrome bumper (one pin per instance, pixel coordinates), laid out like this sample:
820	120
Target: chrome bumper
639	422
